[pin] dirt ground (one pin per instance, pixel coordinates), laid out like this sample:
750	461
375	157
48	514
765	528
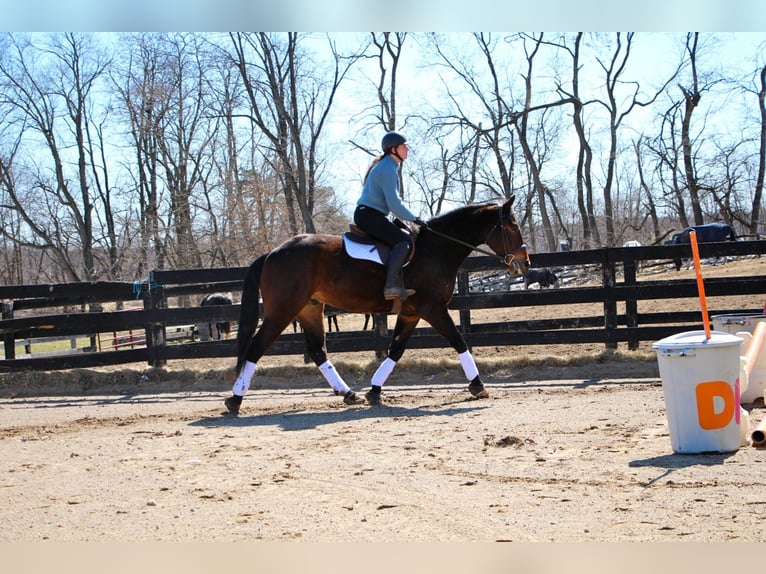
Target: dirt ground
572	445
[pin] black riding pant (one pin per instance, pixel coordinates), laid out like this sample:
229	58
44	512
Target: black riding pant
378	225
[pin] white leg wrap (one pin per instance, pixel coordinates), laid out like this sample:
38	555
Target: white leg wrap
332	377
468	364
384	370
243	379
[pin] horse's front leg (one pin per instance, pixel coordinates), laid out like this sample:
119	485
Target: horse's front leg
445	326
404	327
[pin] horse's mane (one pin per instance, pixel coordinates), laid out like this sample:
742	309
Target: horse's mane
448	219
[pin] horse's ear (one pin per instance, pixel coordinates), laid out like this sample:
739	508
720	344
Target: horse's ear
506	209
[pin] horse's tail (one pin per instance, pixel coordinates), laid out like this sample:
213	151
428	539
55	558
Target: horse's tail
249	310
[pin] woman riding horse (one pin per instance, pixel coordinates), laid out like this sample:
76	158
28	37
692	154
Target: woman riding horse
380	196
299	277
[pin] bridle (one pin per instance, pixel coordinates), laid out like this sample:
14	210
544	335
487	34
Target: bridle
506	259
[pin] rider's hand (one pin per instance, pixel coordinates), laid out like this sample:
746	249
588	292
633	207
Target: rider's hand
420	222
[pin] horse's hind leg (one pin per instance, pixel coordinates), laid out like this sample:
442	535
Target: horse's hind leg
311	319
269	330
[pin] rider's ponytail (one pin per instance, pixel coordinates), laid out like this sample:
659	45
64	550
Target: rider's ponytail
373	164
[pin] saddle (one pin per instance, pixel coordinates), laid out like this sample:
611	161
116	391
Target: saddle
358	244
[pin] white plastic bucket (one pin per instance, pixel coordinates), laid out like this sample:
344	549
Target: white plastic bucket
736	322
700	381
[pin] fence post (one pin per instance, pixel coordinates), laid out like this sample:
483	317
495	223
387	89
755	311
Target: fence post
156	336
631	305
93	338
9	339
608	272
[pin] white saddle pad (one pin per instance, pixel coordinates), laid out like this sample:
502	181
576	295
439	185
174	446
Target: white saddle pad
361	250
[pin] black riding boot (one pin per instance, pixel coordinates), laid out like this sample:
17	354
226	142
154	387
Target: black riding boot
394	288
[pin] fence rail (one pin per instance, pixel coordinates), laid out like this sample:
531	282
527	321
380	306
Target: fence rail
616	268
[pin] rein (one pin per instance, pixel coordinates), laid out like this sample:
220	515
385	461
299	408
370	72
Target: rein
505	260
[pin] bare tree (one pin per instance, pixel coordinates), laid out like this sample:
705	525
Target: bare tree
187	130
614	70
649	205
692	95
669	168
678	147
521	122
48	93
755	211
232	230
488	144
388	49
732	174
12	268
289	106
139	84
491	133
584	169
477	126
447	166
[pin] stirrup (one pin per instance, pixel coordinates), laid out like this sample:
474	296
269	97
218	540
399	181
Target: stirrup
397	293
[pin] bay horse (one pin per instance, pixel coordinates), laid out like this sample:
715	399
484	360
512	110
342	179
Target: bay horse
297	279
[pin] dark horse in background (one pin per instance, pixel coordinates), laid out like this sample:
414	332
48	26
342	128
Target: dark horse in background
297	279
223	328
708	233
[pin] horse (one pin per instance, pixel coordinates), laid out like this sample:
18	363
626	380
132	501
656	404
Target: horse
708	233
308	271
223	328
543	276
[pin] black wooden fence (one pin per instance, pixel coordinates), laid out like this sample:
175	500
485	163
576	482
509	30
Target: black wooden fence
22	318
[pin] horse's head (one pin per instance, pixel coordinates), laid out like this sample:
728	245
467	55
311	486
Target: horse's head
505	240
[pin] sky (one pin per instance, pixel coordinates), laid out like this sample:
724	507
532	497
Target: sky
365	15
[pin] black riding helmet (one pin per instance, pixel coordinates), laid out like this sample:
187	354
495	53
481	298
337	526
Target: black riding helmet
391	140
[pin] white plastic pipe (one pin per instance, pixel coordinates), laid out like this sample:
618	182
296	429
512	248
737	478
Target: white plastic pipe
758	436
755	346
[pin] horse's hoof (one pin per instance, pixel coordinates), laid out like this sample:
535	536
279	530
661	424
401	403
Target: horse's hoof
232	404
351	398
373	398
477	390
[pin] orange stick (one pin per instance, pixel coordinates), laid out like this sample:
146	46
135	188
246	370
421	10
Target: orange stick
700	284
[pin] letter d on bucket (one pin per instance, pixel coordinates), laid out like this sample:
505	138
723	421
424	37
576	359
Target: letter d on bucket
700	381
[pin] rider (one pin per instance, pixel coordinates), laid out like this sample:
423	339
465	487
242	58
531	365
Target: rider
380	196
